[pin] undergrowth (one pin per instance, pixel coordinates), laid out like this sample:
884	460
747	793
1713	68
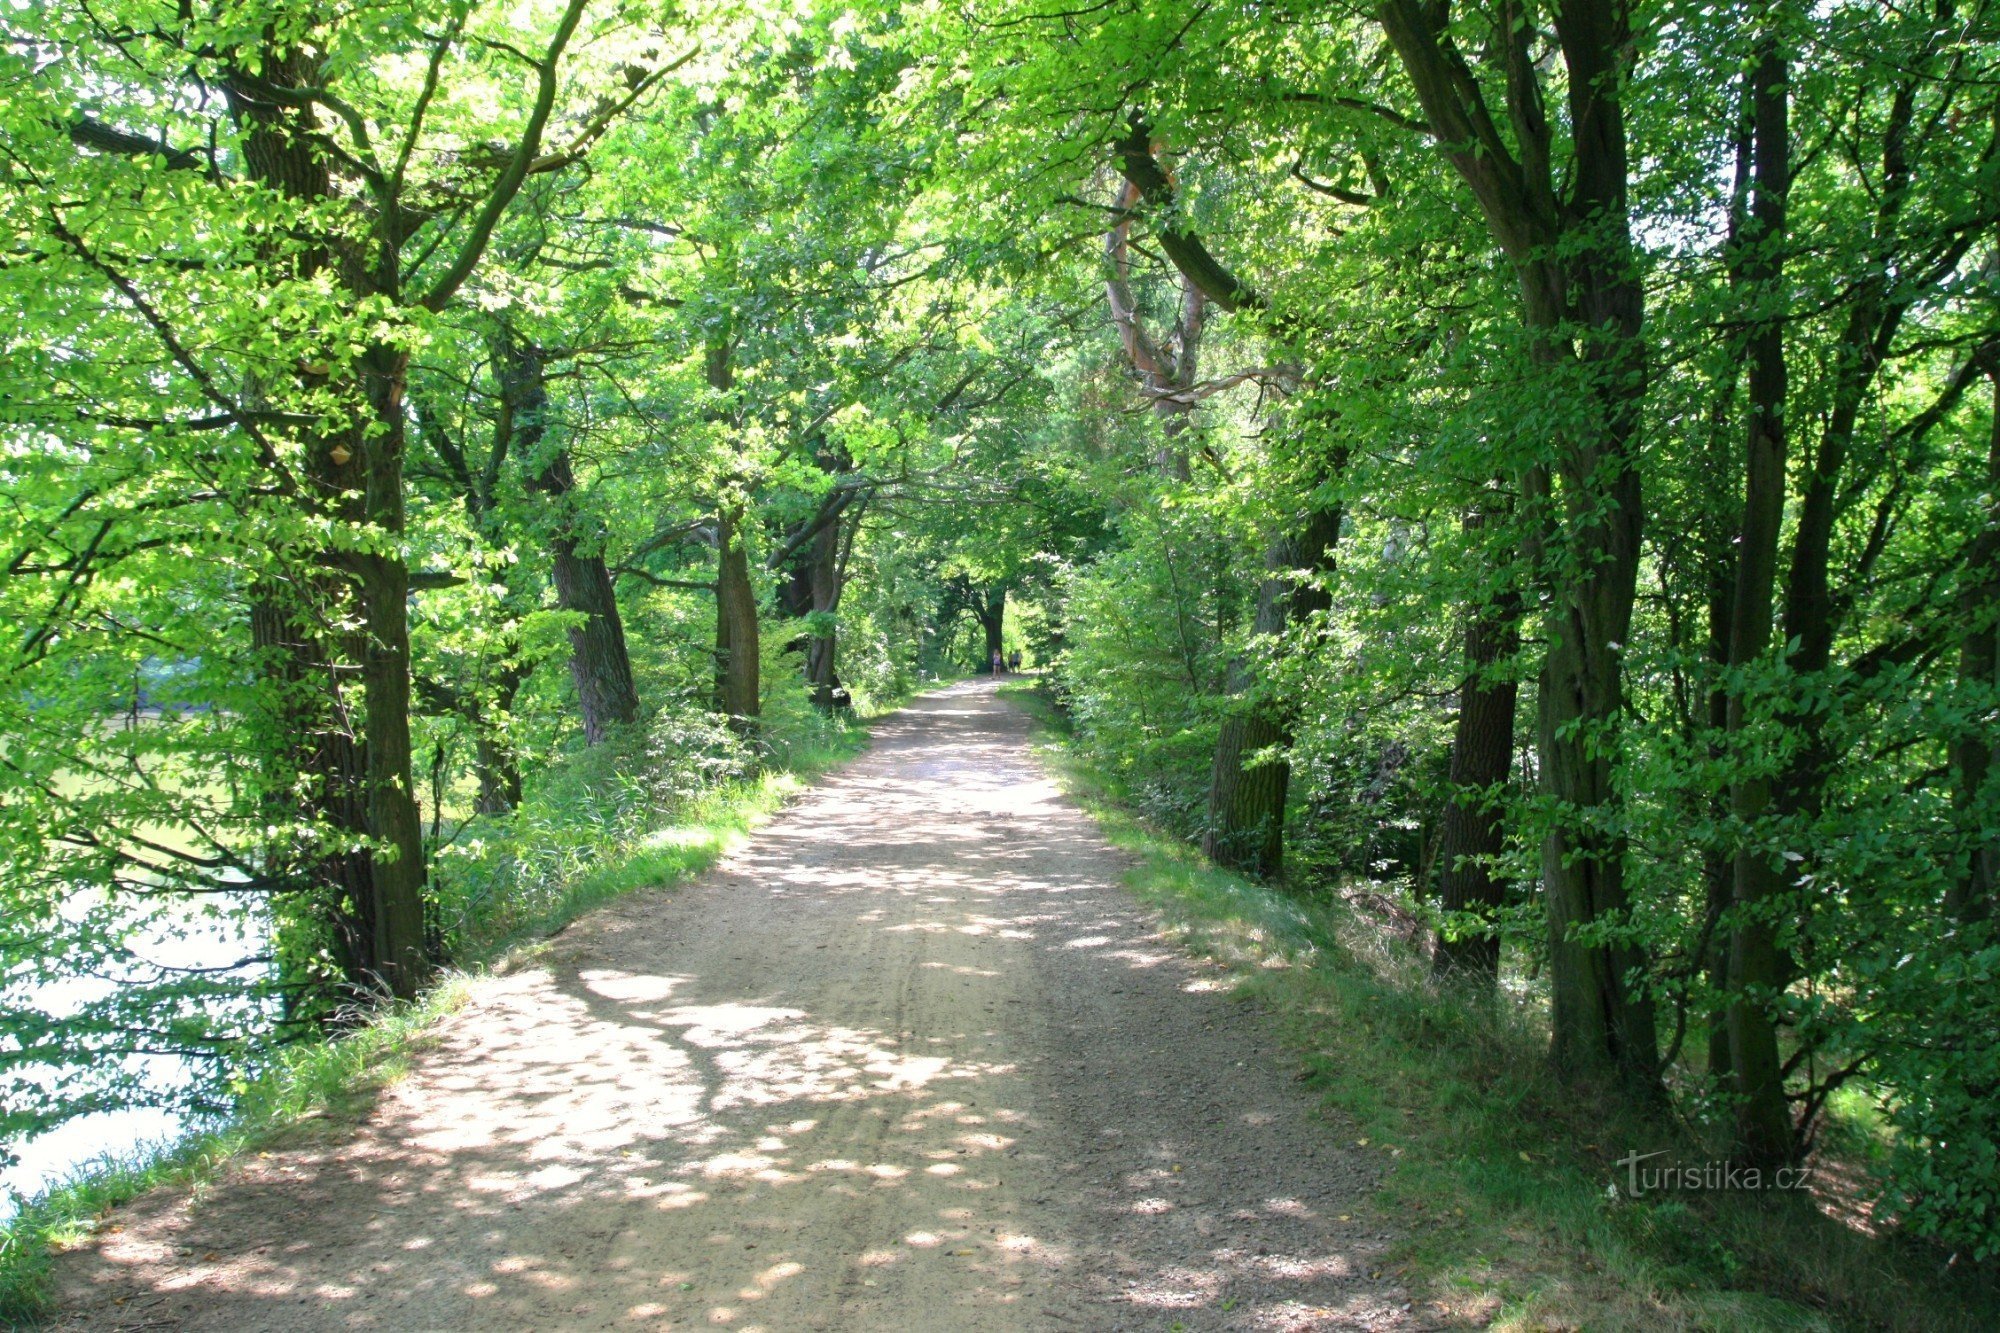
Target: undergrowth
1500	1182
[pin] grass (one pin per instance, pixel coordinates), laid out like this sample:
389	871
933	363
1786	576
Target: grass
712	825
1498	1179
321	1087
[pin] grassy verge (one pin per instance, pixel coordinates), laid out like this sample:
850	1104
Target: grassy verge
1500	1181
318	1087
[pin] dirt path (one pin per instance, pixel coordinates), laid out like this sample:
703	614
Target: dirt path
909	1060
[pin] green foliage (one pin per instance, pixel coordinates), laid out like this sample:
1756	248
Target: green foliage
325	324
1497	1178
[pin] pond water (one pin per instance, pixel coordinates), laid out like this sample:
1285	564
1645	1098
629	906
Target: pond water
219	934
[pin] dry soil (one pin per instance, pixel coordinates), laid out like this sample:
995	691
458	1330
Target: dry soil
911	1059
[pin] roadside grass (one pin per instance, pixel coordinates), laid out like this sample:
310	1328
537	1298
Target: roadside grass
1500	1181
319	1087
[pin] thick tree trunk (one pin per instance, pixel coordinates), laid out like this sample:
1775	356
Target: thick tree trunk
992	613
355	477
736	637
1570	246
1599	1026
1482	753
1250	777
320	769
1757	974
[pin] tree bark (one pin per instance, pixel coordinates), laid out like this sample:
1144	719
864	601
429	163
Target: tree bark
599	663
1482	752
496	765
356	783
1974	761
1571	250
737	647
736	637
817	551
1757	974
385	678
1250	776
1166	369
992	613
824	580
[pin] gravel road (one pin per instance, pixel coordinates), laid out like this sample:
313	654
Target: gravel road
911	1059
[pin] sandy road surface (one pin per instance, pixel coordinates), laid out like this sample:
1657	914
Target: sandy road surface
911	1059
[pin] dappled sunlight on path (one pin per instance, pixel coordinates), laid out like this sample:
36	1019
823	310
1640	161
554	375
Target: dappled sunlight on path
909	1059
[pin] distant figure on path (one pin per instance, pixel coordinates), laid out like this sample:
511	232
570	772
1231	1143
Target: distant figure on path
999	663
1014	660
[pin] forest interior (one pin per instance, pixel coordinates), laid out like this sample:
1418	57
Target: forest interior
1088	663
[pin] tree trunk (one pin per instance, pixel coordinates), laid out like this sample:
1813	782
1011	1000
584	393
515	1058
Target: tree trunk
1599	1027
737	649
823	578
1250	776
599	664
494	760
1717	866
1569	242
1811	618
355	477
320	769
992	615
384	579
1974	763
1482	752
1757	974
736	641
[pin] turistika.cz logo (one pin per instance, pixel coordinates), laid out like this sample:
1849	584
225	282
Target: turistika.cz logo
1691	1176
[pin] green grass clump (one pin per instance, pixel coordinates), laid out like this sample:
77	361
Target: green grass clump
1496	1177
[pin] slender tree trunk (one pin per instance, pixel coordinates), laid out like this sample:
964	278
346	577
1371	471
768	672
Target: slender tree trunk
1718	873
823	577
1757	974
1973	759
1810	616
737	647
1482	753
599	663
